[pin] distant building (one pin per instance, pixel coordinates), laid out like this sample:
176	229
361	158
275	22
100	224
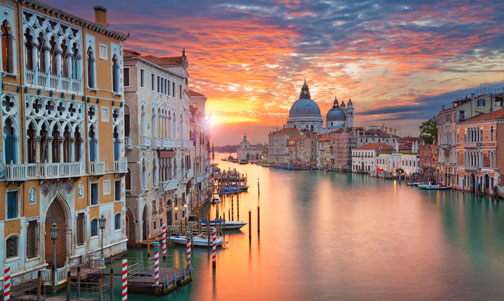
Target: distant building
427	162
364	157
248	153
304	114
278	142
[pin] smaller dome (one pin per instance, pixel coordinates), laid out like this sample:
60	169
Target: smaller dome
335	113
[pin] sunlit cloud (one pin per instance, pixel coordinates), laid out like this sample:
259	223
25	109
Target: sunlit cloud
251	58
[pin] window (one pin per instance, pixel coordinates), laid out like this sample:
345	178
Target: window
128	180
12	204
80	228
7	60
173	89
106	187
461	115
32	239
115	74
141	78
94	227
117	190
9	134
29	47
12	246
103	51
491	133
126	77
481	102
74	59
180	96
153	84
105	115
168	90
91	68
158	84
117	221
155	226
94	194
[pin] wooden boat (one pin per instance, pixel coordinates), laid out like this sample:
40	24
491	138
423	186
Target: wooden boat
228	225
413	183
198	241
436	187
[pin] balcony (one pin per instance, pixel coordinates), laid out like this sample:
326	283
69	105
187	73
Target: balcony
168	143
157	142
97	168
472	145
446	146
129	144
472	168
22	172
121	166
178	143
37	79
146	141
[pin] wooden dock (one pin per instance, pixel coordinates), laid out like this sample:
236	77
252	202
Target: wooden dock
52	298
169	280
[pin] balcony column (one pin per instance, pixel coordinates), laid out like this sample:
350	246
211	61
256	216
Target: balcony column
46	52
72	149
35	68
37	149
49	149
58	63
61	148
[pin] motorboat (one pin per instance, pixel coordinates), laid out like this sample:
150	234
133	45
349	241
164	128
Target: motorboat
197	240
228	225
414	183
436	187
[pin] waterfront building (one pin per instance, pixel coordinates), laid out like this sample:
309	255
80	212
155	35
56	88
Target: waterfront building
62	159
427	162
303	152
248	153
391	162
278	142
159	145
377	135
364	157
304	114
342	141
479	153
200	152
324	151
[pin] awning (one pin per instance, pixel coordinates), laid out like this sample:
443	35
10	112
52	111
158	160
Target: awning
166	154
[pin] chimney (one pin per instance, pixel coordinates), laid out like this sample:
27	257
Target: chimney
100	15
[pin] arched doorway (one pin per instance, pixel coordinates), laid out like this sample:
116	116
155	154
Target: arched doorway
169	212
130	227
487	182
472	182
145	223
56	214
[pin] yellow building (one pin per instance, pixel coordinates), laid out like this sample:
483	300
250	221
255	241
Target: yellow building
62	153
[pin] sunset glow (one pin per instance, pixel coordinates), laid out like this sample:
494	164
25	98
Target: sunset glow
398	63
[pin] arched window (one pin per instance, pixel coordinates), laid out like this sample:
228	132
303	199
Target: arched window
155	173
142	122
93	143
9	133
115	74
154	123
77	147
74	61
144	170
43	144
117	221
94	227
128	180
29	51
32	143
116	144
54	56
67	145
7	60
12	246
64	58
91	68
126	121
42	52
55	145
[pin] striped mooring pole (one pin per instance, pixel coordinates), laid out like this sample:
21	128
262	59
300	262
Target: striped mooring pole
164	241
6	283
188	246
214	246
125	280
156	263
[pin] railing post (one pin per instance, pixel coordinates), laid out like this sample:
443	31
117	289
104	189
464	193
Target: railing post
69	279
111	284
78	282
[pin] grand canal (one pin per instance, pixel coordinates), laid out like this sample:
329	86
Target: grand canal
326	235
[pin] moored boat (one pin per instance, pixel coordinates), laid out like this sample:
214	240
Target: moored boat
197	241
228	225
436	187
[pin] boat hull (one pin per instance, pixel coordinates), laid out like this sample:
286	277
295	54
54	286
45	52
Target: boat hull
197	241
229	225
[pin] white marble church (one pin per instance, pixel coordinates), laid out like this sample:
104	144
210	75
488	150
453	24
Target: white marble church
305	114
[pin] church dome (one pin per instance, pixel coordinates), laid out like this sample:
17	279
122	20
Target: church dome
335	113
304	106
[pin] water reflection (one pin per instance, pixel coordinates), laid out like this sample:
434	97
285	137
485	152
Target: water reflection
349	236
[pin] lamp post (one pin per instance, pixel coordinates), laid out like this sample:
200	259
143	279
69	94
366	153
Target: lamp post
54	237
102	220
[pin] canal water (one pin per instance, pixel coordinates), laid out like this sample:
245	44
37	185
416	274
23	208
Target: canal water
327	236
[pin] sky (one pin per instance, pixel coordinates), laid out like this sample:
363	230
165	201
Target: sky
399	62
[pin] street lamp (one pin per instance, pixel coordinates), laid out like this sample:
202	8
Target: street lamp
102	220
54	237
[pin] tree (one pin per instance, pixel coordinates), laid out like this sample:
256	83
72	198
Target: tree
428	131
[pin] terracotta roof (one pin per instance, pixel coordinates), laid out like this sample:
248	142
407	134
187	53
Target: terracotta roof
297	137
376	145
131	52
324	139
194	93
499	114
164	60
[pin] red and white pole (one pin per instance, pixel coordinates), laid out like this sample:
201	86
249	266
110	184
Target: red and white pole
188	245
6	283
125	280
164	241
214	246
156	263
